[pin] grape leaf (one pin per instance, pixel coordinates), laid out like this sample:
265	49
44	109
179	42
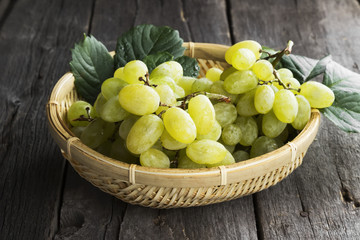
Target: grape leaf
190	66
144	40
91	64
345	111
154	60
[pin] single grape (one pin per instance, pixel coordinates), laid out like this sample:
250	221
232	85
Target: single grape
243	59
112	111
185	162
126	125
271	125
228	159
241	155
99	104
168	142
77	131
230	148
231	134
202	112
240	82
245	106
167	97
80	113
119	152
249	130
179	125
186	84
97	132
227	72
171	69
201	84
318	95
218	87
144	133
254	46
111	87
263	69
289	83
262	145
285	73
163	80
139	99
104	148
264	99
304	113
214	134
206	151
213	74
154	158
179	91
225	113
284	136
119	73
285	106
133	70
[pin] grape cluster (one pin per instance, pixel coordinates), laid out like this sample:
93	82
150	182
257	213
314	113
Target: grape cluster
167	120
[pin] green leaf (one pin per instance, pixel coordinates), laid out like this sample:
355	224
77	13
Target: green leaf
144	40
91	64
345	111
190	66
153	60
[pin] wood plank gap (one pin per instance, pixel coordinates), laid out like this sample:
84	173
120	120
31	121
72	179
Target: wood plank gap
183	18
305	212
229	20
91	16
258	217
6	13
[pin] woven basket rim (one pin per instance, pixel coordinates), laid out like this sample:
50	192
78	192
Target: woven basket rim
65	134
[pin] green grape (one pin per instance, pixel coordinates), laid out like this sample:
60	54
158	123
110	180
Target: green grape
206	151
185	162
119	152
133	70
218	87
201	84
179	125
262	145
240	82
264	99
157	145
241	155
126	125
80	113
231	134
272	126
230	148
139	99
270	78
214	134
285	106
119	73
243	59
99	104
227	72
202	112
154	158
77	131
170	143
283	137
111	87
163	80
97	132
144	133
284	73
225	113
179	92
263	69
227	160
186	84
249	130
254	46
290	83
171	69
112	111
318	95
245	106
167	97
275	89
213	74
104	148
304	113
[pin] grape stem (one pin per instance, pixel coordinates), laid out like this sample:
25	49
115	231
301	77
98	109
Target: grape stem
213	96
83	118
278	80
147	80
280	54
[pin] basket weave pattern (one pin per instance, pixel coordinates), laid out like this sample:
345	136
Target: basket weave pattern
171	188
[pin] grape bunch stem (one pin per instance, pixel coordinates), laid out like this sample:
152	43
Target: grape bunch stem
213	96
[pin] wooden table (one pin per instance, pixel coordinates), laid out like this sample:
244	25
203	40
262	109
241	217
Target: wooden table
42	197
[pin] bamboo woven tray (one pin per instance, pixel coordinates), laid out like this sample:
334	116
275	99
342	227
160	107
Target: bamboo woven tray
171	188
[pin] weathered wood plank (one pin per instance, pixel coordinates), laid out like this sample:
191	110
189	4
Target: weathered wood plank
31	169
308	204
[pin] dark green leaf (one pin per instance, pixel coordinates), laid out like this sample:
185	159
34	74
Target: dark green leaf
91	64
144	40
190	66
319	68
154	60
345	111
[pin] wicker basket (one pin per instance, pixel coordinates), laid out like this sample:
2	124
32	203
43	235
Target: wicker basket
171	188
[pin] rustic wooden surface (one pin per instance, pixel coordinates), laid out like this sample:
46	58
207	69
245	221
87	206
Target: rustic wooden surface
41	197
